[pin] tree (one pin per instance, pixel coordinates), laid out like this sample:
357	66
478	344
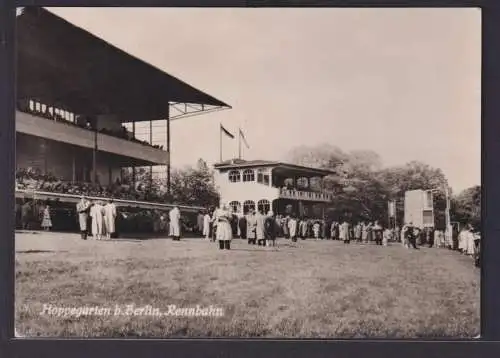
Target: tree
194	186
466	207
367	186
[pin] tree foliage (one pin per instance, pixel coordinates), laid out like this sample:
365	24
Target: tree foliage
466	207
367	186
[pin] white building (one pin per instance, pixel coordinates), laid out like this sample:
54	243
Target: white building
269	185
419	208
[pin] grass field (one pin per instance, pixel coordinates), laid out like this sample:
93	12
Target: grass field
319	289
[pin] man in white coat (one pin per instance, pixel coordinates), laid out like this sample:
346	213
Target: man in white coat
175	229
83	208
110	218
96	213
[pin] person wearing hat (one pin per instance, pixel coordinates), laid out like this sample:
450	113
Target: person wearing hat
224	233
83	209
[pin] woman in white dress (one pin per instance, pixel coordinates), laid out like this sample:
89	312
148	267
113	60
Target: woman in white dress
206	225
471	248
224	231
462	241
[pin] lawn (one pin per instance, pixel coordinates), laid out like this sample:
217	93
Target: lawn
318	289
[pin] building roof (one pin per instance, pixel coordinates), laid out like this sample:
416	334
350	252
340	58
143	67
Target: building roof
62	65
240	164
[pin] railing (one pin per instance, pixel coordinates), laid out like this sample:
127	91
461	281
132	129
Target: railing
305	195
31	124
72	198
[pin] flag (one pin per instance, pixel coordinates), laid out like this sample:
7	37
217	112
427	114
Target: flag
226	132
244	139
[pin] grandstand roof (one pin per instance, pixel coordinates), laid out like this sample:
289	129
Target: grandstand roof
62	65
239	164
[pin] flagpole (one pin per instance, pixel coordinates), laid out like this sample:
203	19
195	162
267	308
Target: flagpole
239	144
220	147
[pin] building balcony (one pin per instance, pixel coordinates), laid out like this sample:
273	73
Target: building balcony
68	133
305	195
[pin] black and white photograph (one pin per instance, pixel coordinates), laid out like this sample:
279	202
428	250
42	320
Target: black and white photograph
248	173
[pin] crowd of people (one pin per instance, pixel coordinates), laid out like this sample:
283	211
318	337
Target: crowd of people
33	179
263	229
79	121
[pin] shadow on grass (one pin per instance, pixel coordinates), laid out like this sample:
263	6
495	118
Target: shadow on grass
38	251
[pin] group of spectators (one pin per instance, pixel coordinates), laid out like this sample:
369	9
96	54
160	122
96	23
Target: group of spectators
79	121
33	179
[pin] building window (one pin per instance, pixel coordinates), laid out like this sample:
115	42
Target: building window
249	175
248	205
263	176
234	176
235	206
428	200
264	206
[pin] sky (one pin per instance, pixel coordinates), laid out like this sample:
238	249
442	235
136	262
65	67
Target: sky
404	83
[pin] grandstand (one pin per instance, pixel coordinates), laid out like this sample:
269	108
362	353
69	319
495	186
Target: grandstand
79	101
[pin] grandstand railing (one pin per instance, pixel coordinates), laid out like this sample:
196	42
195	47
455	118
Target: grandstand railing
69	133
73	198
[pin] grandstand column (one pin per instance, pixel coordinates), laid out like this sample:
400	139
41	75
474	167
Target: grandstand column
168	148
133	167
151	142
94	157
73	163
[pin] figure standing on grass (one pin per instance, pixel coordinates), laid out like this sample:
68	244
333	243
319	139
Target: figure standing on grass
377	233
46	219
83	208
26	214
97	215
175	225
251	227
271	229
259	229
316	228
224	231
110	218
358	230
387	236
344	232
411	236
292	228
206	225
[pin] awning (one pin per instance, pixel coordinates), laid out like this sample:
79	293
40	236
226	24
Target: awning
64	66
